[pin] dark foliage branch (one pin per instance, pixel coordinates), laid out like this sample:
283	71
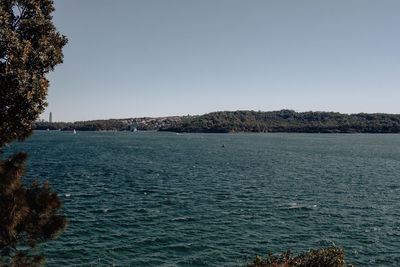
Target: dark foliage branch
30	47
28	215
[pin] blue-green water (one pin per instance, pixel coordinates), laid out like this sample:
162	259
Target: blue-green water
162	199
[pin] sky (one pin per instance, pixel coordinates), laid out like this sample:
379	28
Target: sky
131	58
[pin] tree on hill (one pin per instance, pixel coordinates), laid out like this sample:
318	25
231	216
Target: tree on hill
30	47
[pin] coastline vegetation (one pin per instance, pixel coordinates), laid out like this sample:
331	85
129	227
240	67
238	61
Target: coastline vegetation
244	121
289	121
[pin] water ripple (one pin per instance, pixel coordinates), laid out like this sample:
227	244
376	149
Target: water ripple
160	199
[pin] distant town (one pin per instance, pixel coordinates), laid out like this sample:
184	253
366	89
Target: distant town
130	124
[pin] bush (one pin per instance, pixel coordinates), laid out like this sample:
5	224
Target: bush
333	257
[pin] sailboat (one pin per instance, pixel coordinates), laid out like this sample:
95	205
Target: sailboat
133	128
74	131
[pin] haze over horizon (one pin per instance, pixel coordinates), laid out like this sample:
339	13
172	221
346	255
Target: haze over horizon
162	58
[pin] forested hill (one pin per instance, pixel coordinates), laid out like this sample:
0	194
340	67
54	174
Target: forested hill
244	121
288	121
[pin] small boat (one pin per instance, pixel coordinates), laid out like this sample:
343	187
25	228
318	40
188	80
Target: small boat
74	131
133	128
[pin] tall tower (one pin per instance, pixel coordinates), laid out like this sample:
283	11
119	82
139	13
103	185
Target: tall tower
51	117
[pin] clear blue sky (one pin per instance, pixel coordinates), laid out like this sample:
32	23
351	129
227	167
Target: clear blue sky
128	58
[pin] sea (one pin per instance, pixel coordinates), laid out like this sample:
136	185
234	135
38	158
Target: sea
168	199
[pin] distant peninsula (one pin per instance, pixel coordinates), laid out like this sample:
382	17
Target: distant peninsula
243	122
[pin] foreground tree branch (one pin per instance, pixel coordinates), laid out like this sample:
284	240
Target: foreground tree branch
28	215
